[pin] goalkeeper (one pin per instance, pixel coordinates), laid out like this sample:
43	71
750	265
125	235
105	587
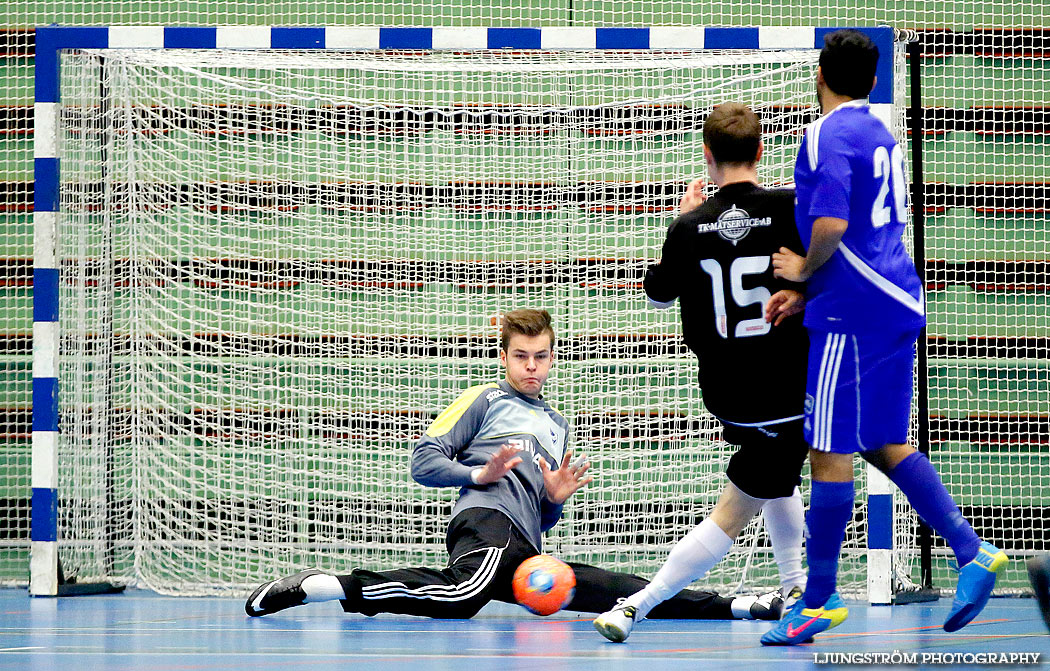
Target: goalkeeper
505	447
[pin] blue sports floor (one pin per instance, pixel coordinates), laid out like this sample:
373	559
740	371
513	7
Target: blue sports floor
140	630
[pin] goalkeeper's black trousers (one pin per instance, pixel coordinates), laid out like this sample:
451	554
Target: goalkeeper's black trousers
484	549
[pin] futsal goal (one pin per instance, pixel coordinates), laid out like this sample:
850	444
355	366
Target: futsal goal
266	258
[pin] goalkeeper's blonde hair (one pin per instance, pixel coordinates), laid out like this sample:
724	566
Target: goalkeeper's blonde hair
526	322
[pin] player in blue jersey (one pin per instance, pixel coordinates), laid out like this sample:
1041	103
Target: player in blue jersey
864	312
505	447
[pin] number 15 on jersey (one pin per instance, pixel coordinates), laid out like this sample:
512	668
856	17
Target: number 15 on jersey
745	265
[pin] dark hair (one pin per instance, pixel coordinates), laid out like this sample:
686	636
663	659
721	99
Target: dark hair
848	62
733	132
526	322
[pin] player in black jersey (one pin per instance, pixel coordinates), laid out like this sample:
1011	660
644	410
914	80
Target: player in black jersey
738	320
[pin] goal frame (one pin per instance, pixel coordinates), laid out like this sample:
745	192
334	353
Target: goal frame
51	41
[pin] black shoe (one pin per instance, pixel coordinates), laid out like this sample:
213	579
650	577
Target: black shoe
1039	574
768	606
278	594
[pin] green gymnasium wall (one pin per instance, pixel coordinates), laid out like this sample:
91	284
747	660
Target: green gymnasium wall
983	61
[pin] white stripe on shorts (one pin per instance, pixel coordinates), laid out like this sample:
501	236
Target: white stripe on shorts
465	590
831	393
819	396
825	400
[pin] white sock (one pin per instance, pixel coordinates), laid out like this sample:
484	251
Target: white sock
785	519
691	558
741	607
322	587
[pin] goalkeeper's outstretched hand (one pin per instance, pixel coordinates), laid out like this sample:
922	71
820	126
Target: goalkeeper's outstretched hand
499	464
563	483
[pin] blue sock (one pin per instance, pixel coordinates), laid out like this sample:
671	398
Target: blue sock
830	510
916	477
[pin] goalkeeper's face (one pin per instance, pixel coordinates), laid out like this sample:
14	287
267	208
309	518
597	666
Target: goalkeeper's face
528	362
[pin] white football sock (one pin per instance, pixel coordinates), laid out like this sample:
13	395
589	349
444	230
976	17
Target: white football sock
741	607
691	558
785	519
322	587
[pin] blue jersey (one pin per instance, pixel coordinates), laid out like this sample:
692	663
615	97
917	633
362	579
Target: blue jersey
850	167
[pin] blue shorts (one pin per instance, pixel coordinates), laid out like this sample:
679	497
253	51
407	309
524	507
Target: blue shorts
858	390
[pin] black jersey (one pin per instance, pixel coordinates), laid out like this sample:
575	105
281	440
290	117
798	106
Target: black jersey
717	262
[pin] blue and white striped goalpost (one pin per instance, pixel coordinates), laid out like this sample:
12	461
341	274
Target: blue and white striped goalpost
51	41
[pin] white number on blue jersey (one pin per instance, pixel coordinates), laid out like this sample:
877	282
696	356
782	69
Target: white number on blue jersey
745	265
889	167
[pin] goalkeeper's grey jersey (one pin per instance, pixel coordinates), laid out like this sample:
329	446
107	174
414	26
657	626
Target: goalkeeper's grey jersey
467	432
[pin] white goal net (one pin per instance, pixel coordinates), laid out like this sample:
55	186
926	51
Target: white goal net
278	266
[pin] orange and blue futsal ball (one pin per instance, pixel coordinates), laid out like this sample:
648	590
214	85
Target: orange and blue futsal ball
544	585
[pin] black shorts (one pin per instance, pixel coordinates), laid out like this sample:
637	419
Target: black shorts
768	462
